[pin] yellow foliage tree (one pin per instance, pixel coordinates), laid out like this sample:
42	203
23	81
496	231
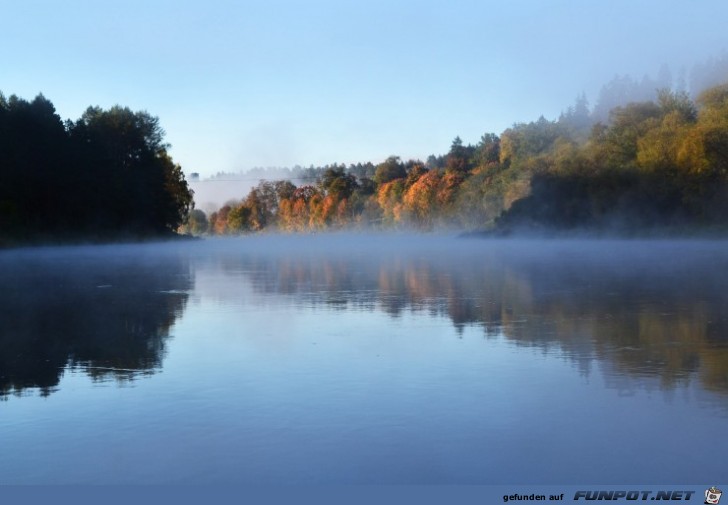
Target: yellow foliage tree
389	198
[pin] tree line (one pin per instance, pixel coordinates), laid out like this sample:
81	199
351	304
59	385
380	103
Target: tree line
106	175
655	164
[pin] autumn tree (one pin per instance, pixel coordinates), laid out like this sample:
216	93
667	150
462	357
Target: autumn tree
389	197
459	159
420	199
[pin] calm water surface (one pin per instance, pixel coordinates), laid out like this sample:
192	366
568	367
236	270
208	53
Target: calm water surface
365	359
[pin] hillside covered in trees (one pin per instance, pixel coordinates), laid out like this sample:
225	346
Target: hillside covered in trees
654	165
105	176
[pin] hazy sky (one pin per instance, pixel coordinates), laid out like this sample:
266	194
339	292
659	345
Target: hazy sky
238	84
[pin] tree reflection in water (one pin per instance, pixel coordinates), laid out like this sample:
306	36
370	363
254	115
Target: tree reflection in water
651	309
105	310
644	309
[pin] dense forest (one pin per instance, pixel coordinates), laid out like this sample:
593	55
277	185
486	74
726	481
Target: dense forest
655	165
658	165
105	176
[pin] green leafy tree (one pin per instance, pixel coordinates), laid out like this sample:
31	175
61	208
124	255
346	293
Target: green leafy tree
487	152
197	223
391	169
37	178
338	184
284	189
527	140
628	124
137	186
239	219
678	102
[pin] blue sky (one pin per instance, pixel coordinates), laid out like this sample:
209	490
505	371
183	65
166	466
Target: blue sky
283	82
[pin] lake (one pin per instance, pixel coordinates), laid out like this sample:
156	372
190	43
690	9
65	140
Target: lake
365	359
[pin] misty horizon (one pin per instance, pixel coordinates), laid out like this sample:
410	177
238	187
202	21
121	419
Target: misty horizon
318	84
621	90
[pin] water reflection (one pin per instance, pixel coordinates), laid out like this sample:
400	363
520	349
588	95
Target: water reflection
644	309
105	310
366	360
639	309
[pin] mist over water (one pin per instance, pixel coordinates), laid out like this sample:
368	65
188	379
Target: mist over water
365	358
